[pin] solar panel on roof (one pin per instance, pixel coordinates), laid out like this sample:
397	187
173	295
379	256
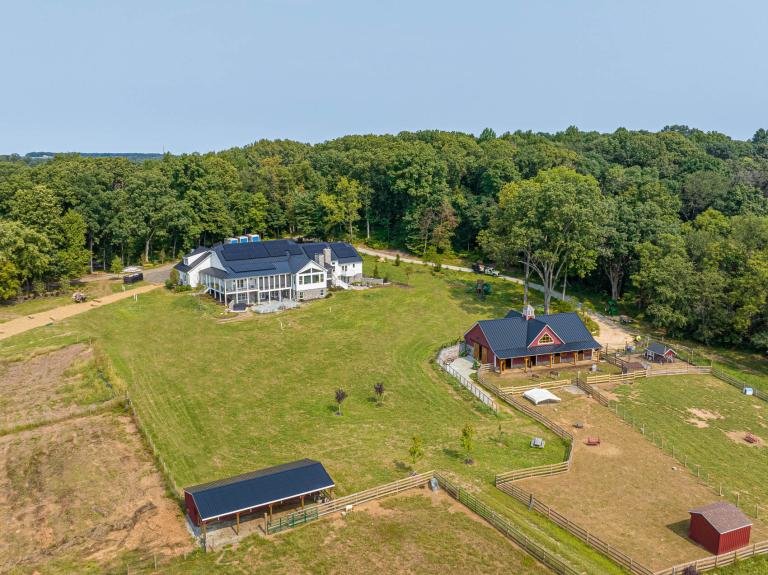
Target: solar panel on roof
344	250
235	252
279	247
251	266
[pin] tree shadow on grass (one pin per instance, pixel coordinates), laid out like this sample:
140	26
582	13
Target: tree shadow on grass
402	466
452	453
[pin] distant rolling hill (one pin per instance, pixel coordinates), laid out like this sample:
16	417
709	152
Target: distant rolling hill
133	157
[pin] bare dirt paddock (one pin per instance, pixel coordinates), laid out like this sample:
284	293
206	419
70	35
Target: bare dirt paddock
84	490
626	490
49	386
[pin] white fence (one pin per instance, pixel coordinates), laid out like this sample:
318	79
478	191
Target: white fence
475	389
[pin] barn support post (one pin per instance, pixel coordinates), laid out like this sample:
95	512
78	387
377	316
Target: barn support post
237	518
266	526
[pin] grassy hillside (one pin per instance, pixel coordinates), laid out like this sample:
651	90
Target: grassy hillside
222	397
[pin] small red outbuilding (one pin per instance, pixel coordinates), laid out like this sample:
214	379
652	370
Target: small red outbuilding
720	527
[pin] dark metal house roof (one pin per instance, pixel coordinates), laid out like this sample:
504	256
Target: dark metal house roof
659	348
511	336
182	267
259	488
722	516
274	257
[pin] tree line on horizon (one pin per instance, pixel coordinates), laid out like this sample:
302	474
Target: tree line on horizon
674	222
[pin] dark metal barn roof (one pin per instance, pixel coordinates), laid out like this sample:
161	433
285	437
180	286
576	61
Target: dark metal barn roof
259	488
513	335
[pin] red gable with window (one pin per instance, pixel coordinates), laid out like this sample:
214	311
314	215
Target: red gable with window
546	337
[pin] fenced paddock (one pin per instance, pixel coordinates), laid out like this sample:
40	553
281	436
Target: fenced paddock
738	384
502	524
715	561
620	497
520	389
589	538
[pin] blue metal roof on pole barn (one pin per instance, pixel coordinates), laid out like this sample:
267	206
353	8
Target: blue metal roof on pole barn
259	488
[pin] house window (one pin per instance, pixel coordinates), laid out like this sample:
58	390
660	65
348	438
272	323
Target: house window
546	338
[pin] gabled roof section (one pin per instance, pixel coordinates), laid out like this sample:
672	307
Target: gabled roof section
660	348
259	488
511	336
341	252
724	517
276	256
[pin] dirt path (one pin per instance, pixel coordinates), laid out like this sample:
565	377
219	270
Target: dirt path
391	255
22	324
612	333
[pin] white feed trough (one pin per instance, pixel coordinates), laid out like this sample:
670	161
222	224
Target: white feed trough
537	396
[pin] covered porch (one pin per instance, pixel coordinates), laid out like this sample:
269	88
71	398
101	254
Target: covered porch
249	502
548	361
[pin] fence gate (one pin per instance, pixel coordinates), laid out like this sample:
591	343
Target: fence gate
291	520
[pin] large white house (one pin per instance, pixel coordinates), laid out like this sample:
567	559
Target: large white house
250	271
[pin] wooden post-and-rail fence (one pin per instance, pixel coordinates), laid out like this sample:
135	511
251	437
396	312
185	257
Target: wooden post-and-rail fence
474	389
584	535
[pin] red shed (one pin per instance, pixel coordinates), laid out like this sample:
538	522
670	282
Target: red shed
720	527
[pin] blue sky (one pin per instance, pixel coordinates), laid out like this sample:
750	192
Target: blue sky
196	76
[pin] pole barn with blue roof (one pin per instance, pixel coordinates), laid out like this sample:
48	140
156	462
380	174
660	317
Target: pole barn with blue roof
230	498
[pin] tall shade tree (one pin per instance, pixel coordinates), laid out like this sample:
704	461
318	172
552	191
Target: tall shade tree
150	205
71	256
27	249
550	222
663	279
636	214
341	207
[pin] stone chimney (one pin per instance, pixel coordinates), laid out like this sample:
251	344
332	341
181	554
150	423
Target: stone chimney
327	255
528	312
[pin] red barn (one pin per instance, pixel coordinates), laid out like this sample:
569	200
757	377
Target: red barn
521	340
720	527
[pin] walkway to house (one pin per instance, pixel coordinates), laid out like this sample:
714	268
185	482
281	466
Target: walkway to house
22	324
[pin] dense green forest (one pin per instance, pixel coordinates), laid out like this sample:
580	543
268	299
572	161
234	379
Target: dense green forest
673	222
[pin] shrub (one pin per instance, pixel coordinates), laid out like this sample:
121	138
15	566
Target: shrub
467	442
341	395
397	259
416	450
116	266
38	287
376	270
378	389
